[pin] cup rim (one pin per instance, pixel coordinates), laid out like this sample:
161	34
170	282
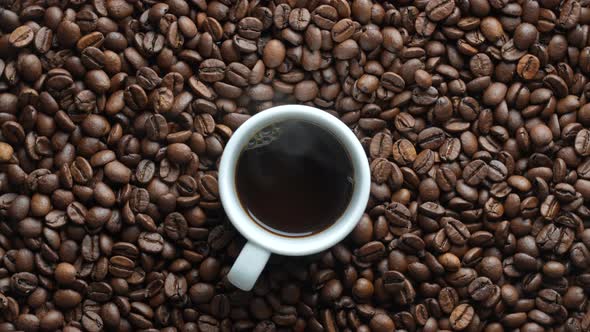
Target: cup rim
294	246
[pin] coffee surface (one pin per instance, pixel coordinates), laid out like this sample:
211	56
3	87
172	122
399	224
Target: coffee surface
294	178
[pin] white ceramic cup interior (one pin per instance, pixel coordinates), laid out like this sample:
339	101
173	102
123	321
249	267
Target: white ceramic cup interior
261	242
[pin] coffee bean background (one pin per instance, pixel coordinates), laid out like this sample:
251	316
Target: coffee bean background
475	115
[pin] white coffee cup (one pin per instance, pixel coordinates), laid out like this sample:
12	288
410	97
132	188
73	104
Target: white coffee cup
261	242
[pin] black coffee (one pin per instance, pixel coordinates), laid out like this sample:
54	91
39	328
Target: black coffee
294	178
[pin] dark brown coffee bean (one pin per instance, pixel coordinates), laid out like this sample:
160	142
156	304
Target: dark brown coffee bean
24	282
274	53
481	65
150	242
92	321
404	152
95	39
393	82
346	50
450	149
582	142
81	170
145	171
425	97
306	91
381	145
462	277
299	19
475	172
43	40
21	36
456	231
461	317
175	287
281	15
211	70
381	322
398	215
342	30
569	14
67	298
424	26
120	266
480	289
175	226
547	301
439	10
448	299
525	35
324	16
117	172
424	161
431	138
528	66
370	252
250	27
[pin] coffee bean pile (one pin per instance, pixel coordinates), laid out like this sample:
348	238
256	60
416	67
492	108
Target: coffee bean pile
475	115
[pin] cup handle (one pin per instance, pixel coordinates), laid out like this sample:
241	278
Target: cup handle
248	266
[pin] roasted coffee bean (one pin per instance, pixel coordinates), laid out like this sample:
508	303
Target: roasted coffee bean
24	282
67	298
398	215
448	299
475	172
342	30
145	171
439	10
404	152
528	66
461	317
370	252
480	289
150	242
424	161
462	277
120	266
299	19
92	321
381	145
139	200
525	35
21	36
431	138
456	231
175	287
582	142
